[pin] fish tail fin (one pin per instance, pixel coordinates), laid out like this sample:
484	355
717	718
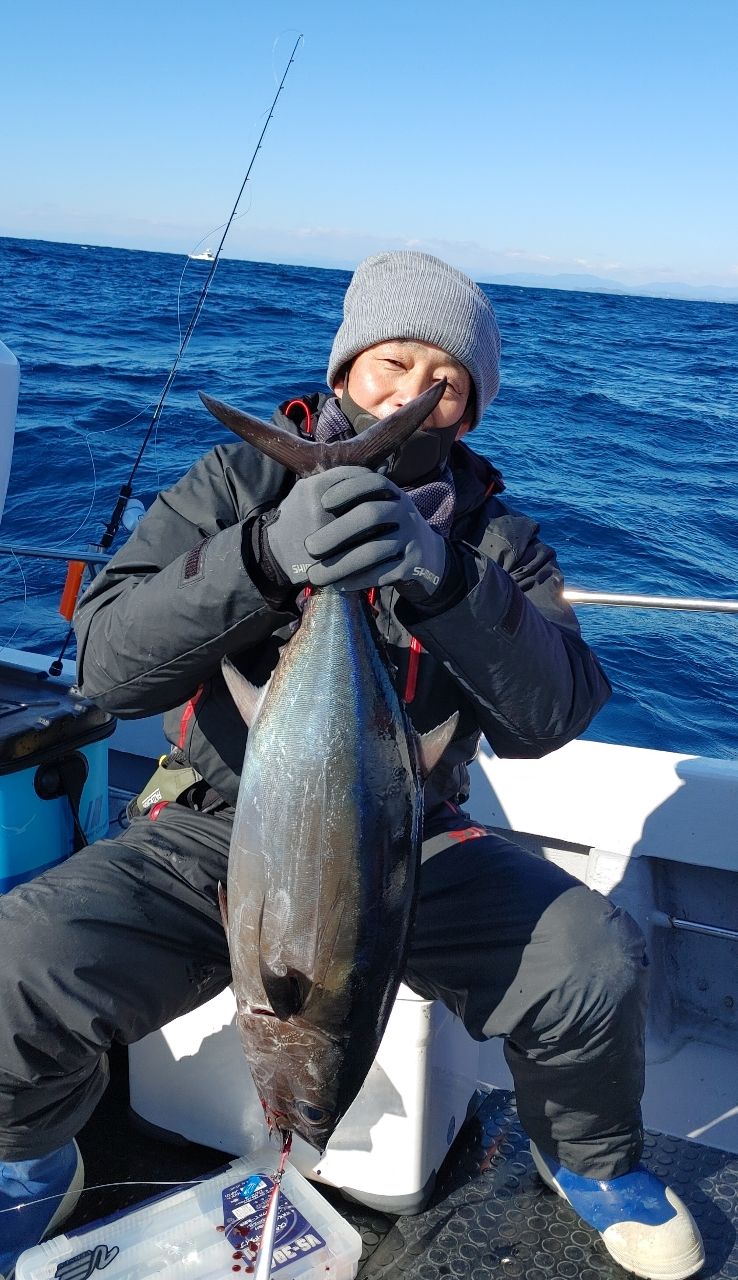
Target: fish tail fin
305	457
294	453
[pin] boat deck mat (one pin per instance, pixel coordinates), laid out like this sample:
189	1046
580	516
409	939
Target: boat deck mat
489	1215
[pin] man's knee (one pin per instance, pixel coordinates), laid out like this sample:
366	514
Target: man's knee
592	957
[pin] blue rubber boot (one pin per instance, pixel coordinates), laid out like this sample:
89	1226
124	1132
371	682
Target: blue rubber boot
43	1193
644	1225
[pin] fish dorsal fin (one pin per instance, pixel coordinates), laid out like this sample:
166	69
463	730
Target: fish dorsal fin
305	457
431	745
247	696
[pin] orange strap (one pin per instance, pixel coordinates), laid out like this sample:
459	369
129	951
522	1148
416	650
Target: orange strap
75	571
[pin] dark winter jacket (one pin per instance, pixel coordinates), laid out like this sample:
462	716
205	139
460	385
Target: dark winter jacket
499	645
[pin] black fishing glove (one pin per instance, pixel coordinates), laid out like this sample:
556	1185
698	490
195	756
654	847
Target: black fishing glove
281	533
353	529
378	538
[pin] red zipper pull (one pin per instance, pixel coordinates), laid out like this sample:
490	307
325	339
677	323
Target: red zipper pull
411	680
306	426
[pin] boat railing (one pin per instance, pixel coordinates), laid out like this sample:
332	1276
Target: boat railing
90	556
573	595
623	600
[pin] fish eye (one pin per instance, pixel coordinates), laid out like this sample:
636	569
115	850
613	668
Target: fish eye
313	1115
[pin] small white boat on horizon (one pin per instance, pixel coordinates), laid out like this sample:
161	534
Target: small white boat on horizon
207	255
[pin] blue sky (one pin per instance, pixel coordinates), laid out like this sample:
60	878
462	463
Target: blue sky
547	136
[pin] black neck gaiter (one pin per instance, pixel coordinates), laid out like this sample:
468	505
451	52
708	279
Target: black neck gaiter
420	459
435	498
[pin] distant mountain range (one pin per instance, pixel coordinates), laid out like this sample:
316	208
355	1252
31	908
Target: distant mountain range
597	284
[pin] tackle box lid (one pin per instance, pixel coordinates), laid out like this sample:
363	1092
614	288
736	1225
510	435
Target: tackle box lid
208	1230
41	718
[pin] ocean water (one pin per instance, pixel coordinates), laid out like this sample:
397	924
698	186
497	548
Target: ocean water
615	427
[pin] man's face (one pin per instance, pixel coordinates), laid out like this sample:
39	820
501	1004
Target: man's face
385	377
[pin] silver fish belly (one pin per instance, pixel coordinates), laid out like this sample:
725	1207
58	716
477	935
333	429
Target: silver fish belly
322	870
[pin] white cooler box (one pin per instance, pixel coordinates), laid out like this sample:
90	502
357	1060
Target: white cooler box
191	1079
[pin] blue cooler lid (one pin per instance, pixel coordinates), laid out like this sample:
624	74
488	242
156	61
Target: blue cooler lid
40	719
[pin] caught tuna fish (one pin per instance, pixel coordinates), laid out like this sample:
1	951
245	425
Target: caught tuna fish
326	839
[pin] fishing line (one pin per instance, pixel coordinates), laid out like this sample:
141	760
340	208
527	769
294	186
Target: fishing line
107	1186
286	31
144	1182
184	341
86	434
5	643
71	536
208	236
115	426
96	433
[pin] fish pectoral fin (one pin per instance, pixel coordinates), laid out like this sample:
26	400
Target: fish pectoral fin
286	992
223	904
431	745
247	696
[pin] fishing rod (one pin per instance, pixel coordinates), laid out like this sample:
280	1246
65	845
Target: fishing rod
77	566
127	488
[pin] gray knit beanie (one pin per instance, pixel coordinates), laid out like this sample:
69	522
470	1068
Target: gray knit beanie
413	295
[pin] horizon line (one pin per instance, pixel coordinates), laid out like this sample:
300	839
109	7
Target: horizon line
662	291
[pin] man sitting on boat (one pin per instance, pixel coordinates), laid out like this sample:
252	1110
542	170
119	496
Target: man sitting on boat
126	935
